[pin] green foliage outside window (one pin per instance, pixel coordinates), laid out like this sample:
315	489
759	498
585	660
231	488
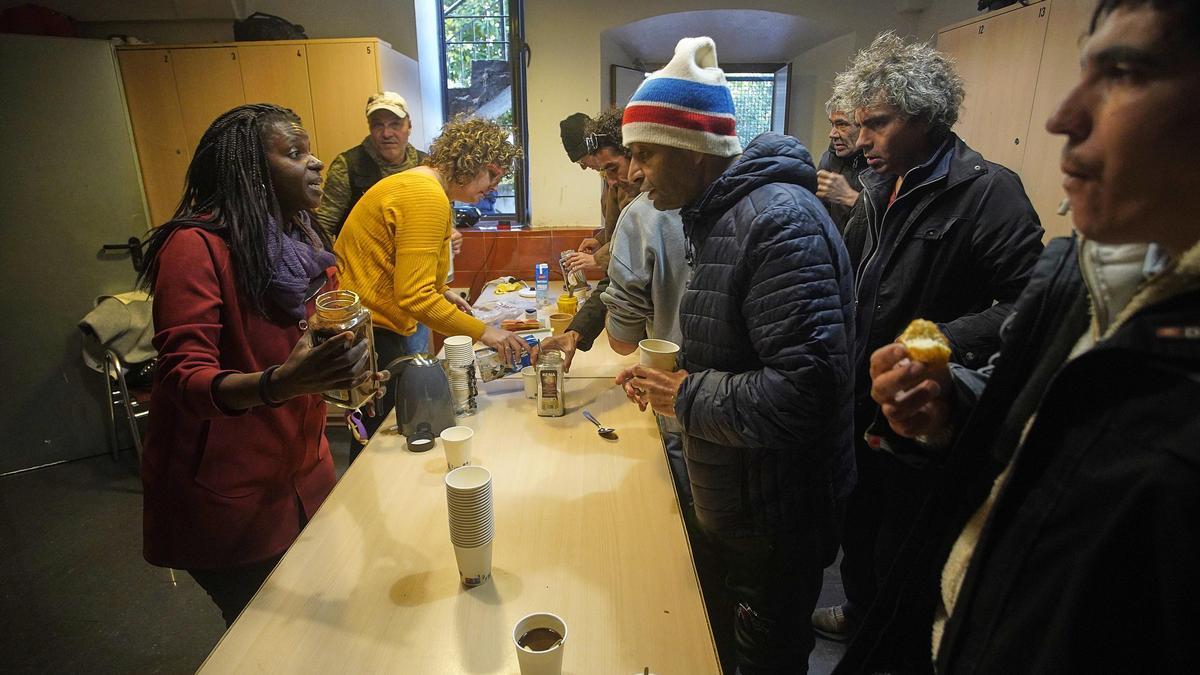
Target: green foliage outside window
753	100
474	30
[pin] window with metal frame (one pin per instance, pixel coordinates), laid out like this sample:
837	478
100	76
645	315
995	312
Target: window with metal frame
484	57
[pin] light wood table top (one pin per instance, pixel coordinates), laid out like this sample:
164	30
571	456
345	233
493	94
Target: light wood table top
586	528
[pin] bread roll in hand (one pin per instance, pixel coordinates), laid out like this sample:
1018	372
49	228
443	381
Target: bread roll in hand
925	343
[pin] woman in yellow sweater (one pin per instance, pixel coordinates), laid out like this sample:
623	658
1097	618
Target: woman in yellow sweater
394	248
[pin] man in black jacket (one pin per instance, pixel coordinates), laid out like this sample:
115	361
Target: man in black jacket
1065	533
939	233
840	165
764	391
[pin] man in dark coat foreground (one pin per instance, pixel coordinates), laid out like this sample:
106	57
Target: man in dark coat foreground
1065	536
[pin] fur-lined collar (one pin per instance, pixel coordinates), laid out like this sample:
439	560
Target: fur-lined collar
1177	277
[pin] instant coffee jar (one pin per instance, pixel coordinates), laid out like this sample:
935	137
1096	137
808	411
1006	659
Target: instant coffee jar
338	312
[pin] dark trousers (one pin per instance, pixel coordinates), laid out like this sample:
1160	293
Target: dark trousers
388	347
775	581
879	514
710	568
673	444
232	588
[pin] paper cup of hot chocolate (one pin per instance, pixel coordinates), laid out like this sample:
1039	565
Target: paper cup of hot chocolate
539	639
456	441
658	354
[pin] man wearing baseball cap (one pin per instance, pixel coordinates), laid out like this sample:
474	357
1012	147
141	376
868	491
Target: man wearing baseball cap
383	152
764	387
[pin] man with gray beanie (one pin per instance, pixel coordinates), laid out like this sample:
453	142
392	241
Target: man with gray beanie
764	385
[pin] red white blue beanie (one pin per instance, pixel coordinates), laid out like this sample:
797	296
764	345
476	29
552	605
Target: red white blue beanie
685	105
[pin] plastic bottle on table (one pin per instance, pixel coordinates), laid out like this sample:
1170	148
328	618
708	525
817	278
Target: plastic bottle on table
541	283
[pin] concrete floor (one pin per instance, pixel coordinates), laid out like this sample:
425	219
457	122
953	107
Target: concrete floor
76	596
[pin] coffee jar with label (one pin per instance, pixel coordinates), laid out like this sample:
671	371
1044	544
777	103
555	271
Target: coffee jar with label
550	384
338	312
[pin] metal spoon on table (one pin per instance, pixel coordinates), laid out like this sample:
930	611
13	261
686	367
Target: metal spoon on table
606	432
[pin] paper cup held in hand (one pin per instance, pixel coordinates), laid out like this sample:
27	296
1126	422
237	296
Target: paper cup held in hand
658	354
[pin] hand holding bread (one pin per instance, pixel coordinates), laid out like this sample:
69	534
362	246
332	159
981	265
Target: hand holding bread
910	380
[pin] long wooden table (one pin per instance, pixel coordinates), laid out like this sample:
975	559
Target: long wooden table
586	528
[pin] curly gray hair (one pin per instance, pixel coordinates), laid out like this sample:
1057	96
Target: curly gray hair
915	77
835	104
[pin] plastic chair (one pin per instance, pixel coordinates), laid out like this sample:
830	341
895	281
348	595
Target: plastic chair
130	405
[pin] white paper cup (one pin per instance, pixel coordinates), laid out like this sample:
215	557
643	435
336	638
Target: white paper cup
468	480
456	441
458	342
474	563
529	379
548	662
658	354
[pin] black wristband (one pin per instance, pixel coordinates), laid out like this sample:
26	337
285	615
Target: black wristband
263	382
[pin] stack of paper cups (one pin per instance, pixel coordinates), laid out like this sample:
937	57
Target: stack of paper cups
472	529
460	362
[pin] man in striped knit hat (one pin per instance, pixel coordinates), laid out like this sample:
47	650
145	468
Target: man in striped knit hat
764	388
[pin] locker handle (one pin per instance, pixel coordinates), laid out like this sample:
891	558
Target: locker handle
134	246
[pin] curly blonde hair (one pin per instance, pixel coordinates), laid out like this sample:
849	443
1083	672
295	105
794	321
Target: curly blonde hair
469	144
915	77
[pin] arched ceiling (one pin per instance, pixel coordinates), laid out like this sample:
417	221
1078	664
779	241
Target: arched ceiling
742	35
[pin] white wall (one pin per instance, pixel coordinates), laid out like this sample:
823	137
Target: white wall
393	21
812	85
611	53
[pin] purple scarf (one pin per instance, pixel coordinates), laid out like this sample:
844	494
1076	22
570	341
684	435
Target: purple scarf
296	262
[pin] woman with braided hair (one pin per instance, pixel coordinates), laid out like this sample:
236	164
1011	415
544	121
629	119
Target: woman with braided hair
236	460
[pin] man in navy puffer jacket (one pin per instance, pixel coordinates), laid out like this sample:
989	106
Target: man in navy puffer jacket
764	393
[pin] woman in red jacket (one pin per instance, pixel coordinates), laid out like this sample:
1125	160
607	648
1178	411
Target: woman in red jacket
236	459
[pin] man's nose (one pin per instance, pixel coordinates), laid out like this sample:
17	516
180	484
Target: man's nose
1072	117
635	171
833	134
